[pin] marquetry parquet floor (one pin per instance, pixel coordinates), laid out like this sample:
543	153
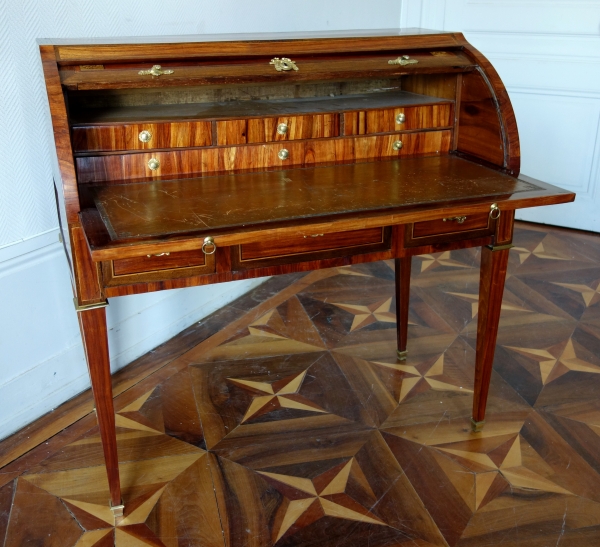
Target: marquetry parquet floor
294	424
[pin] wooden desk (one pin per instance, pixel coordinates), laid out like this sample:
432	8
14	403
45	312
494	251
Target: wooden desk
231	161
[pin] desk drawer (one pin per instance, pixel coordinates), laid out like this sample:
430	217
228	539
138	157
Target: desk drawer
283	128
398	119
449	229
311	247
148	268
259	156
143	136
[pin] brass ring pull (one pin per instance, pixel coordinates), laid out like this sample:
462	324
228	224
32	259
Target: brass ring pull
495	211
209	242
460	220
283	64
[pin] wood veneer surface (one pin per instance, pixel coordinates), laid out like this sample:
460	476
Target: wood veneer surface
239	439
251	108
168	207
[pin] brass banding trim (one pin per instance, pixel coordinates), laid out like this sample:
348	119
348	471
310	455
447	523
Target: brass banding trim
85	307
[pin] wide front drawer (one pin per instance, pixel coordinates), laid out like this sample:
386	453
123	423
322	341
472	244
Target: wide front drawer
449	229
398	119
311	247
143	136
281	155
154	267
283	128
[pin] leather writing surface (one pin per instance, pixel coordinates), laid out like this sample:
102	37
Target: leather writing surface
147	209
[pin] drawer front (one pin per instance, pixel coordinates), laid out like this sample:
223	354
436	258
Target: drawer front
299	153
311	247
143	136
148	268
449	229
398	119
283	128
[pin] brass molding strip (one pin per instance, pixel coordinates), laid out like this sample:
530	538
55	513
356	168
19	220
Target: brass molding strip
85	307
495	248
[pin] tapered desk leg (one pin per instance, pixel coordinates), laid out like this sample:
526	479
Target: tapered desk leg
94	333
491	287
402	298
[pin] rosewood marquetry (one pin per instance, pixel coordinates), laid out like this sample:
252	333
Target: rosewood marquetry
216	166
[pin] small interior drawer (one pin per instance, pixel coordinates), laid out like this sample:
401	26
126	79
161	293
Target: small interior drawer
148	268
398	119
312	247
449	229
141	136
283	128
136	165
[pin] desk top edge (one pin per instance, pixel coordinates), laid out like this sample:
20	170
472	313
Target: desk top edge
241	36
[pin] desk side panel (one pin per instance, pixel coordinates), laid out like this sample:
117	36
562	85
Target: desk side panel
485	105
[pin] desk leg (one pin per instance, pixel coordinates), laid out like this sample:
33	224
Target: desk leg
94	333
491	287
403	266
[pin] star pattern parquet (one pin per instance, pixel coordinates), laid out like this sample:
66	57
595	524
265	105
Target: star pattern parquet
295	425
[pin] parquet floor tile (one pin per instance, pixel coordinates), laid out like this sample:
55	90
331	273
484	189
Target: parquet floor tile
295	424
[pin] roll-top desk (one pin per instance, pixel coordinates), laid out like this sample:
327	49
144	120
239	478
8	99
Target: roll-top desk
218	158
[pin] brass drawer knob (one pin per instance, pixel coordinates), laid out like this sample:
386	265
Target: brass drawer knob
283	64
145	136
401	118
397	145
156	70
209	247
153	164
282	128
460	220
283	154
403	60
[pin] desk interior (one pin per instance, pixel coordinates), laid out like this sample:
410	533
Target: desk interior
168	207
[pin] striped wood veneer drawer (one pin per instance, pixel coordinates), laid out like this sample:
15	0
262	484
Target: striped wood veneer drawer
300	153
386	120
291	128
141	136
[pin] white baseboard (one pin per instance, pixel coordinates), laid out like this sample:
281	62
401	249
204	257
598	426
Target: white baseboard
42	363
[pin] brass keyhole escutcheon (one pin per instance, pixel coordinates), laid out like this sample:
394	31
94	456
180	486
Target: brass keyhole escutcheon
403	60
397	145
282	128
460	220
145	136
283	64
156	70
400	118
208	246
153	164
283	154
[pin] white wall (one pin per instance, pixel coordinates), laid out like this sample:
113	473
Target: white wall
41	359
547	52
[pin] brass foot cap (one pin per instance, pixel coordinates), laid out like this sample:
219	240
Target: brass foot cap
117	510
402	355
477	426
